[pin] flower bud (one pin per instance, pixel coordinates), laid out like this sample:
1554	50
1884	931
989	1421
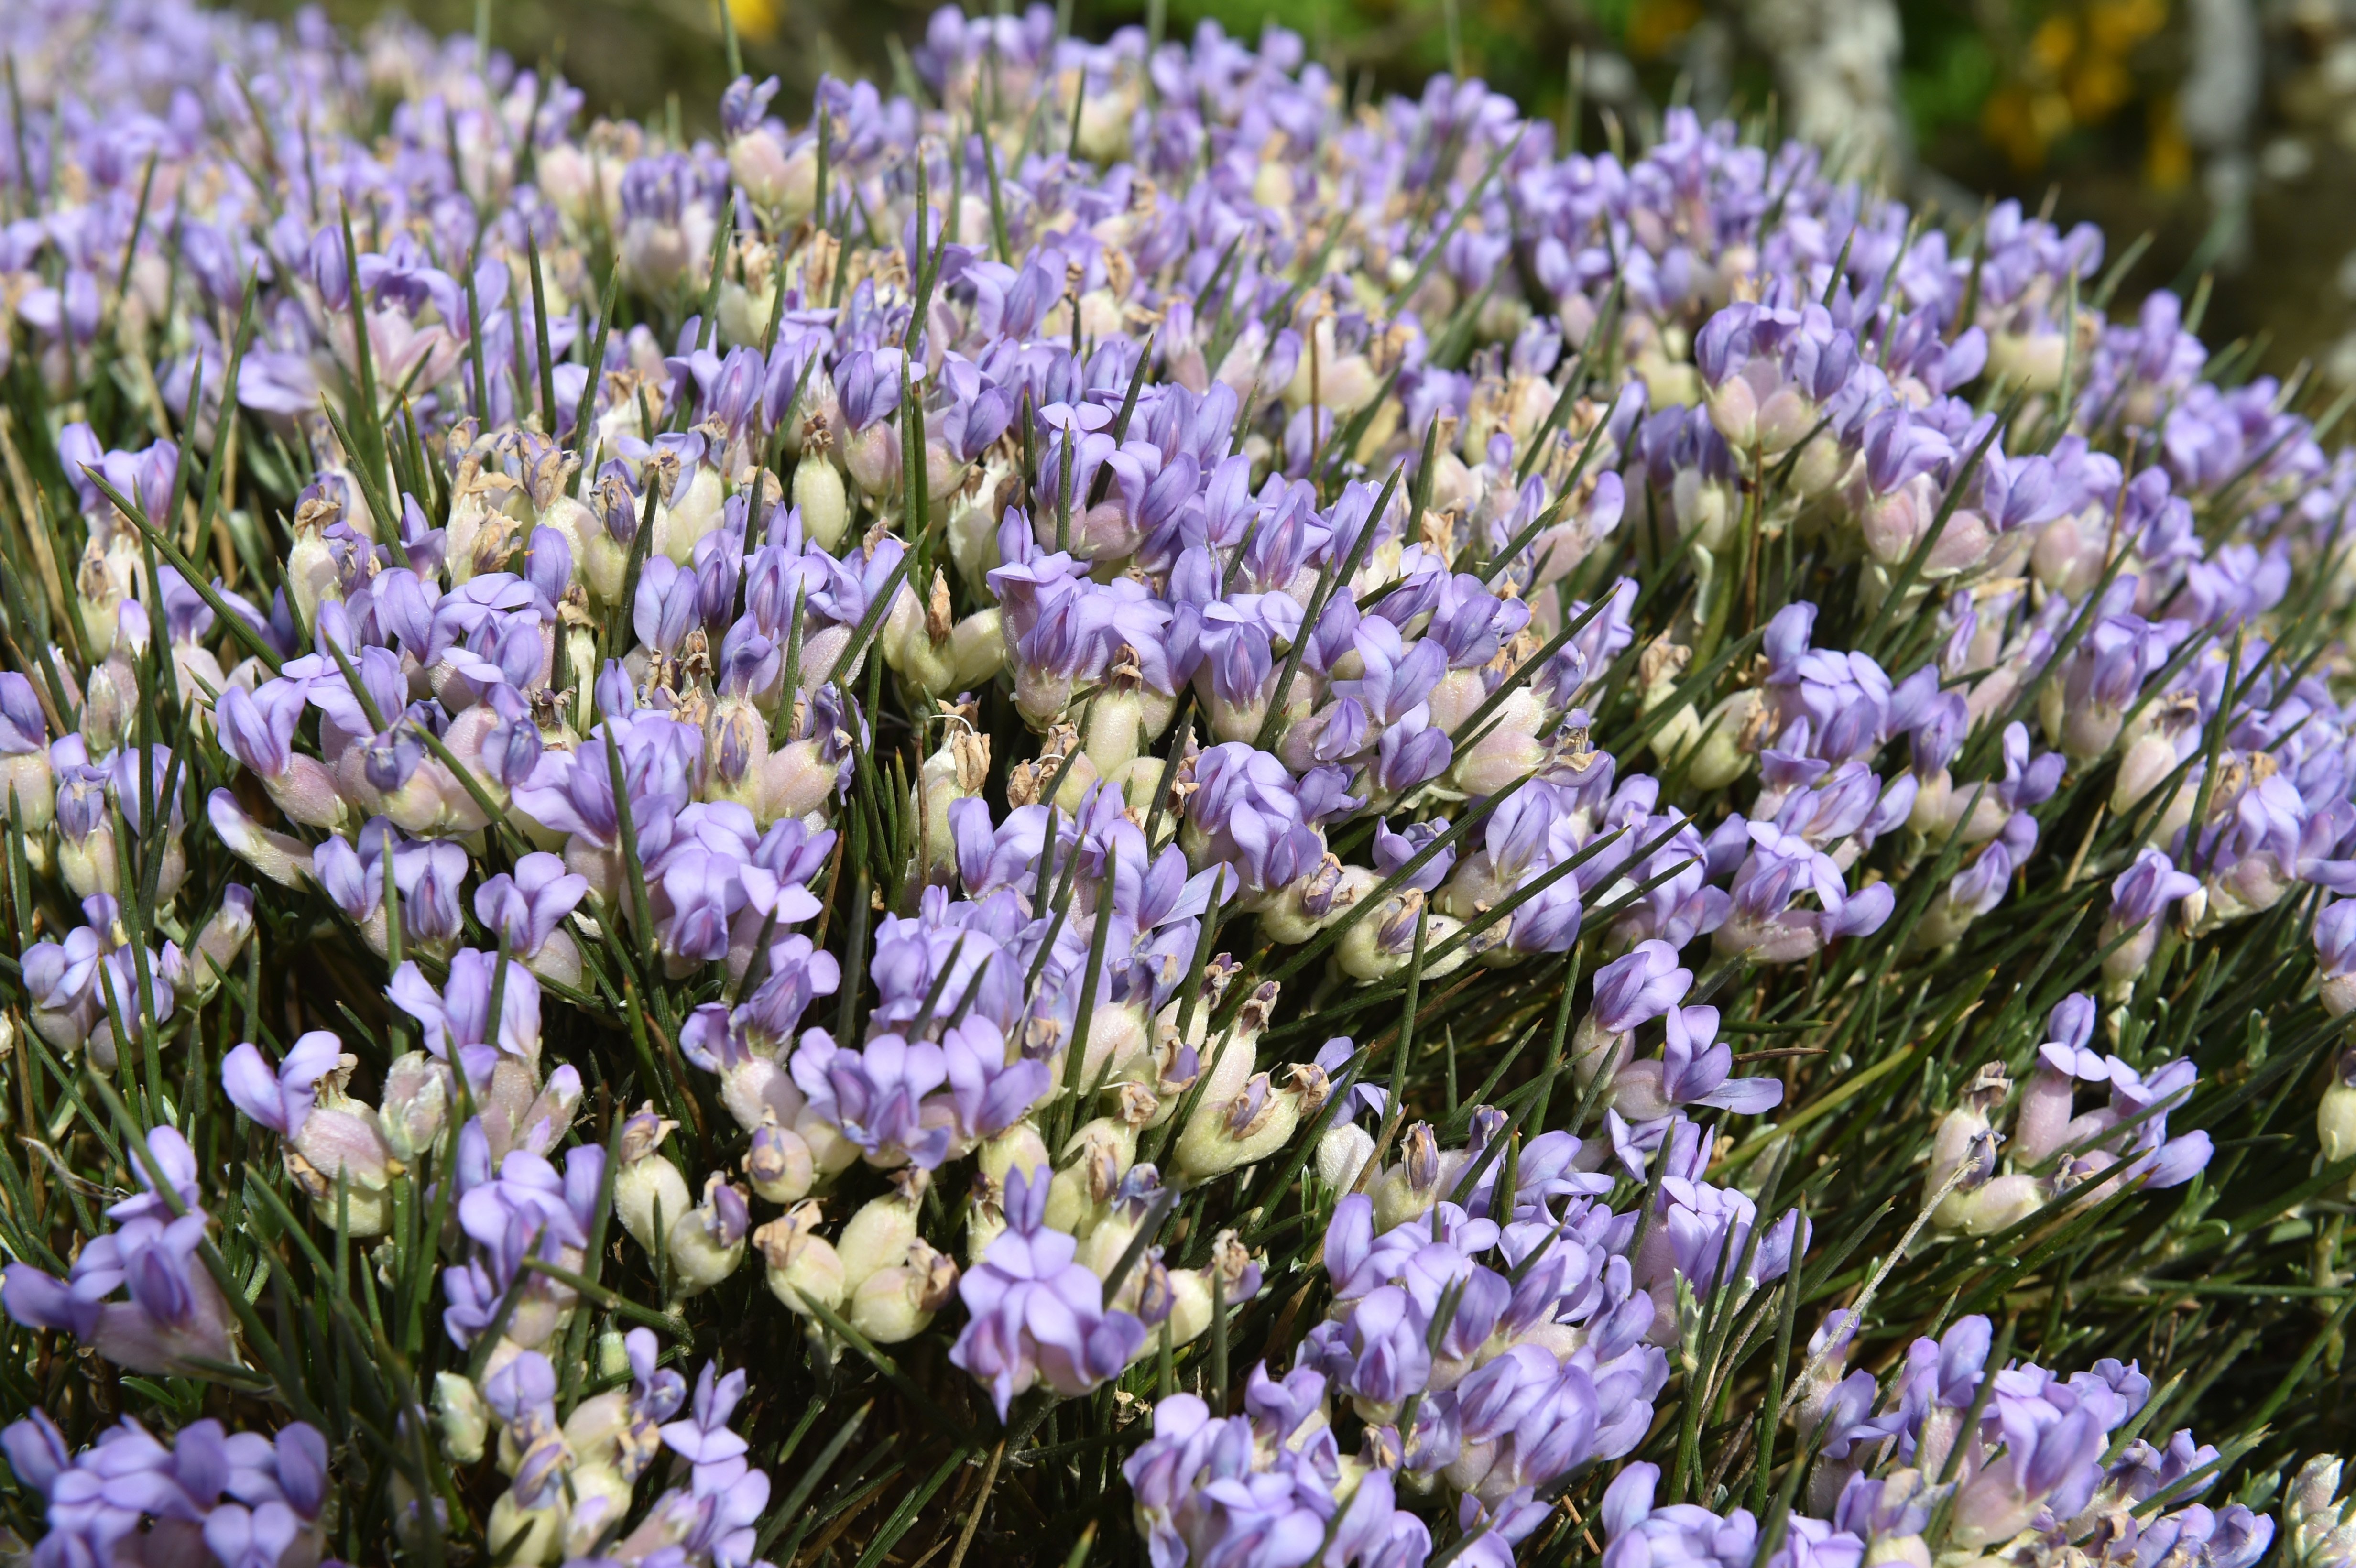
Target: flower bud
1507	753
974	517
896	1304
2003	1203
778	1165
1727	742
522	1537
1312	900
1341	1153
800	1266
1190	1289
2081	731
782	183
708	1242
985	1218
1018	1147
978	648
311	574
915	638
1101	1249
222	940
603	561
2123	965
1962	1148
737	753
1408	1189
1097	1157
879	1236
650	1193
955	772
29	792
2144	768
2337	995
1117	1037
871	458
416	1104
88	864
341	1158
1116	725
819	494
1819	467
112	707
2334	1116
459	1412
1934	799
691	511
831	1152
1228	1071
1597	1052
2313	1515
1459	693
1734	410
1381	945
1252	1126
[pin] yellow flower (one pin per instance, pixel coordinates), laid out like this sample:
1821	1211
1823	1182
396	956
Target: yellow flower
756	18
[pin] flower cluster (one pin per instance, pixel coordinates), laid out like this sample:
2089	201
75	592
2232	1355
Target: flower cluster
961	730
573	1479
229	1498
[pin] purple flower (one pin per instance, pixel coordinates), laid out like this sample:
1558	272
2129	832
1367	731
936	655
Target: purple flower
1259	1488
874	1096
458	1015
524	1209
522	1394
2141	894
574	793
257	730
1398	677
1248	814
868	383
174	1316
1633	990
1694	1071
1394	850
1412	752
428	876
990	1092
669	604
702	1439
1331	1057
799	975
1378	1354
527	906
1537	1416
24	731
249	1500
1037	1316
2052	1440
280	1101
1782	868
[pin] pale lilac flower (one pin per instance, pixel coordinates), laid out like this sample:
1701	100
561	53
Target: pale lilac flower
1037	1316
174	1314
458	1015
875	1096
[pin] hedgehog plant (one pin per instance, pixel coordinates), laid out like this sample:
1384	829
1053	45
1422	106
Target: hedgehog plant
1128	811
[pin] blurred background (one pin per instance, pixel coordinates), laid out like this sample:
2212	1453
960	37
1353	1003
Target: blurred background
2223	129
